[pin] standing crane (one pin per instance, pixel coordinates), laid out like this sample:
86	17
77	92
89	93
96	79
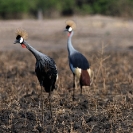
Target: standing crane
45	67
77	62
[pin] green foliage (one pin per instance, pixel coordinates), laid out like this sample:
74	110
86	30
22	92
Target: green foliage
68	7
87	8
14	8
121	8
101	6
47	4
20	8
113	7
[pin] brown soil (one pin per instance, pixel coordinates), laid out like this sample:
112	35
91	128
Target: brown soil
106	106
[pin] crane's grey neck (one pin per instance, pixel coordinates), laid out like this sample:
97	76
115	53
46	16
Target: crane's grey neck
36	53
70	47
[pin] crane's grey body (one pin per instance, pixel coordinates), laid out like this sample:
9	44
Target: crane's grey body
76	59
78	64
45	69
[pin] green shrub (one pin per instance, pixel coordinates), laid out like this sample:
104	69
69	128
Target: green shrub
20	8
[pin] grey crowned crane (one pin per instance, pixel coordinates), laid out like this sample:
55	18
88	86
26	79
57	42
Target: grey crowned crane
45	66
77	62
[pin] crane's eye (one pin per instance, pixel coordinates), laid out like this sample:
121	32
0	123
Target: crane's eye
67	27
18	37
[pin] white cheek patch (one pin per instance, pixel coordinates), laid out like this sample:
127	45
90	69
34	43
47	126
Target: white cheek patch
21	40
70	29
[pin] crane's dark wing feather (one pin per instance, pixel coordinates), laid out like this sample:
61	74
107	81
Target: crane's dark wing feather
78	60
46	72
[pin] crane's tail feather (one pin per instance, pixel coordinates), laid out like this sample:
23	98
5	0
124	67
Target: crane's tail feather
84	78
49	85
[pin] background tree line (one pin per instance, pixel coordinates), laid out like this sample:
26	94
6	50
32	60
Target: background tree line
17	9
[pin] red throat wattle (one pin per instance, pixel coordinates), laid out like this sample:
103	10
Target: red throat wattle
23	46
69	33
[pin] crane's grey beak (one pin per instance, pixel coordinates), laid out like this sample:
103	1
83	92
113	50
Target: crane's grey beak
65	30
16	41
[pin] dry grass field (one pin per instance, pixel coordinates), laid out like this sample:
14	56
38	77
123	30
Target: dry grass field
106	106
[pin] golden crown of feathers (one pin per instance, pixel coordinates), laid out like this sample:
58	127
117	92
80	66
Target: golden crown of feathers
22	33
71	23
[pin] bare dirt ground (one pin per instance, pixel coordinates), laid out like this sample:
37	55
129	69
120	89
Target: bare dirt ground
106	106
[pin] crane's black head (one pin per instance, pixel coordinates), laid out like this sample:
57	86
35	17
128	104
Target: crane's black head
70	26
19	39
20	36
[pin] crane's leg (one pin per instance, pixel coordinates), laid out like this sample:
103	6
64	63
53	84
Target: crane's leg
73	85
81	90
49	97
42	103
